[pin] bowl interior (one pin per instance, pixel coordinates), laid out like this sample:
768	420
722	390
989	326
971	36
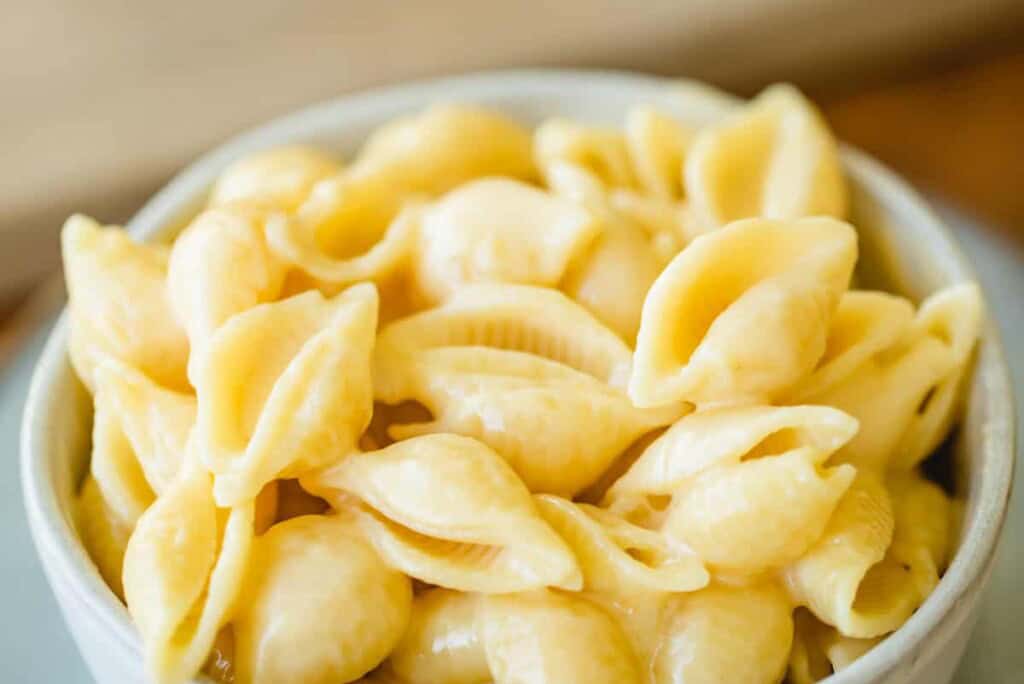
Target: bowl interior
904	248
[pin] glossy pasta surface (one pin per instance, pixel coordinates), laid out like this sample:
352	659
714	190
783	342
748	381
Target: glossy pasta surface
492	405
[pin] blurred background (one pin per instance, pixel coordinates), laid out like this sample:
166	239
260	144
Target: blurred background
102	101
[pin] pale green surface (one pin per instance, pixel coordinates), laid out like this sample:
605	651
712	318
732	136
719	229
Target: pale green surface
36	647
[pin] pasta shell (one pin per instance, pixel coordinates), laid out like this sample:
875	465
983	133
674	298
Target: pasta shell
531	411
442	644
846	579
742	313
723	436
612	279
774	158
865	323
808	661
293	240
953	316
220	266
285	388
429	153
819	650
139	436
842	651
447	510
546	637
498	230
104	534
599	154
760	514
657	145
279	178
884	395
726	634
619	557
447	145
117	305
523	318
182	571
318	605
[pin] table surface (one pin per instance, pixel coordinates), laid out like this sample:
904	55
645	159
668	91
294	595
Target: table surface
956	131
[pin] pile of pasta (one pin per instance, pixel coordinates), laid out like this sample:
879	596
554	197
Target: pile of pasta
486	404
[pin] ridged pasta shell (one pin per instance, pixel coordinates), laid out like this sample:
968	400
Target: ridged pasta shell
742	313
220	266
774	158
279	178
449	511
139	436
954	316
617	556
533	412
523	318
865	323
760	514
498	230
726	634
292	239
904	394
284	388
182	572
318	605
426	154
885	394
847	579
546	637
723	436
442	644
118	306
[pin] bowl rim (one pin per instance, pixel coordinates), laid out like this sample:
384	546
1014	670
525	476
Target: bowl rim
61	551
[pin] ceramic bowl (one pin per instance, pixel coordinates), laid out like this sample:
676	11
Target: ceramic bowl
904	248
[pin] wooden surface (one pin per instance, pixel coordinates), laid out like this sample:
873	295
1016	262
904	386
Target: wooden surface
956	130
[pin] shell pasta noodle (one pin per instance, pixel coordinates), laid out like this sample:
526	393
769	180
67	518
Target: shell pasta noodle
481	404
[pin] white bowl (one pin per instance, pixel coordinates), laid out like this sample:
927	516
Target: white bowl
904	247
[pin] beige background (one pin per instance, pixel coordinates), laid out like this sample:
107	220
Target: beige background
102	101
